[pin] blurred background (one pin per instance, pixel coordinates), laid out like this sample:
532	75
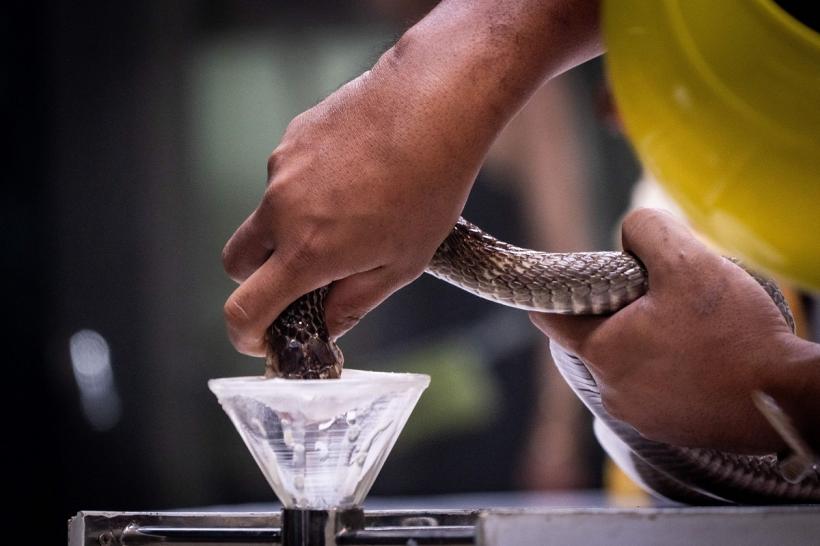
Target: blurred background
138	137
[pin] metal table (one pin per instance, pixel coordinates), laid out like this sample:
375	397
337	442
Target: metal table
516	519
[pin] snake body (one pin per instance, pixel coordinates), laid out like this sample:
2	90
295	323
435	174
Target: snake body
299	347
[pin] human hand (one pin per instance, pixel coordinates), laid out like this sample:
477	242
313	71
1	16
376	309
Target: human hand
366	185
361	191
680	363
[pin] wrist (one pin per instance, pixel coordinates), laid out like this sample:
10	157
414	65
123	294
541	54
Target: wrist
472	64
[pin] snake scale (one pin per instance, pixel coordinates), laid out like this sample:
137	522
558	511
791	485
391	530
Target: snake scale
299	347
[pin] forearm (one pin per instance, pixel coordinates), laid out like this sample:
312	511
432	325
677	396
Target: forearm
466	68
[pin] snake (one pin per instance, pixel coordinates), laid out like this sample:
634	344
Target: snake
582	283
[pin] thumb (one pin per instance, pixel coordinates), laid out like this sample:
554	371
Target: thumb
662	242
351	298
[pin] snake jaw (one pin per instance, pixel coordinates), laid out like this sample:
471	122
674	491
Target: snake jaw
313	359
298	343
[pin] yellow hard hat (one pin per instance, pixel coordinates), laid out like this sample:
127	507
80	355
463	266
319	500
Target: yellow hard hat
721	99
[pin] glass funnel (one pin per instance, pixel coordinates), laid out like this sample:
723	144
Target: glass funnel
320	443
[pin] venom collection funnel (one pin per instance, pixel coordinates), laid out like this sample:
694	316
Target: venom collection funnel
320	443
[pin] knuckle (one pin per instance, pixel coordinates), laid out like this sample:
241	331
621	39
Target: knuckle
273	161
295	124
230	263
273	191
283	195
302	255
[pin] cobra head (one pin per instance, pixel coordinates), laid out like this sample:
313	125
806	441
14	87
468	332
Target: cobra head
298	343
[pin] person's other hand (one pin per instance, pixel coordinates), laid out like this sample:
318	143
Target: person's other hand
680	363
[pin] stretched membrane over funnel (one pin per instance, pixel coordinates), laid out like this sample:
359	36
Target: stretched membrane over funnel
320	443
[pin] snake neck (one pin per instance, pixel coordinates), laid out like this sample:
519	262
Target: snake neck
566	283
298	343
